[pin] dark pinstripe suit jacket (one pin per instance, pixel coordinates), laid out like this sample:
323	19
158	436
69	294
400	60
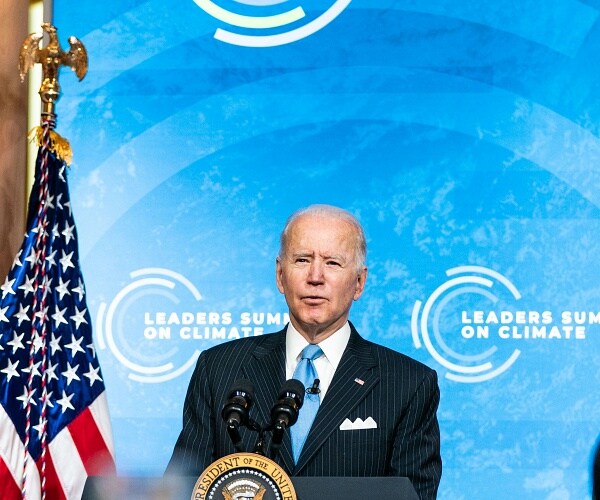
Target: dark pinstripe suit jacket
399	393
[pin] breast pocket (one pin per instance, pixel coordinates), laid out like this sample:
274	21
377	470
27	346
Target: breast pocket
362	447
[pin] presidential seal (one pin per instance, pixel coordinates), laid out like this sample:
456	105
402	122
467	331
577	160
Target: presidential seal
244	476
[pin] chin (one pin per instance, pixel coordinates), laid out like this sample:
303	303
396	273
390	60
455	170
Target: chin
312	321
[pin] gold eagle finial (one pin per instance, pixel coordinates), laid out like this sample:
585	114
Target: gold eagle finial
51	57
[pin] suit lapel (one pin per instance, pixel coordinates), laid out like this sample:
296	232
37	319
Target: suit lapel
352	382
266	369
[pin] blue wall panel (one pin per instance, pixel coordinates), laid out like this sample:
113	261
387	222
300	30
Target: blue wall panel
464	135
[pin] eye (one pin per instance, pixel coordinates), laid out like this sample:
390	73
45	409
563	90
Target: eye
333	263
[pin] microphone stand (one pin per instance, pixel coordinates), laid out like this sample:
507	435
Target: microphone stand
259	447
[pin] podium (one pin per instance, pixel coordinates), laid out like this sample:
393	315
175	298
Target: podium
307	488
354	488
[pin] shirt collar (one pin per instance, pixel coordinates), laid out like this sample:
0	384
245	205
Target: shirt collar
333	346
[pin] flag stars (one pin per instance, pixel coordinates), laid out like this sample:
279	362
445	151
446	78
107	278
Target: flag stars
16	342
68	232
79	290
3	317
59	317
40	427
50	201
11	369
27	397
33	369
50	259
41	228
22	314
46	282
7	287
49	399
65	261
78	317
51	372
71	373
38	342
62	288
92	348
32	257
65	402
17	261
55	343
75	345
42	315
93	375
27	287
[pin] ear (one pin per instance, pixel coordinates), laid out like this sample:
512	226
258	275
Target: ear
360	283
279	275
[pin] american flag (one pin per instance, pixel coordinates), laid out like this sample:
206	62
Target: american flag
54	424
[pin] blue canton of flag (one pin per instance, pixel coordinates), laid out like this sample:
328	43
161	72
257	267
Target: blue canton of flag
54	425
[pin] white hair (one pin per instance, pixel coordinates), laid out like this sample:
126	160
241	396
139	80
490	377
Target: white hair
359	243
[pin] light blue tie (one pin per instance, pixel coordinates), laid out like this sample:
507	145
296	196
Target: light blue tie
306	373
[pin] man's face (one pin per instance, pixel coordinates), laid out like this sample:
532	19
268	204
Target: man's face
318	274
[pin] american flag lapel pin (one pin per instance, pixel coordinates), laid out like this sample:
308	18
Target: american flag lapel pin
359	381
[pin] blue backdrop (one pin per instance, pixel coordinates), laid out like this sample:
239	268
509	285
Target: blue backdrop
464	135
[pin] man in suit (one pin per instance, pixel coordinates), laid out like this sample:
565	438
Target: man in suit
376	408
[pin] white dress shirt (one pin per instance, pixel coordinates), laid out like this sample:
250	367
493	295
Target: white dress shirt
333	347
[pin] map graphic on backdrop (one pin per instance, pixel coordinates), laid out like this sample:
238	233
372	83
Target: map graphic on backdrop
463	135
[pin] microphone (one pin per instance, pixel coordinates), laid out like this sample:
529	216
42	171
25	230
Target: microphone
315	388
236	409
285	412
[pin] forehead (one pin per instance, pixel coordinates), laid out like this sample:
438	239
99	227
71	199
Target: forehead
321	233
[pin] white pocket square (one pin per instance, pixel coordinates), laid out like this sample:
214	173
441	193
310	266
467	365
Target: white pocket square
358	424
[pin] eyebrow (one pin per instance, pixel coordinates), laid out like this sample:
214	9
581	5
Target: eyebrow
325	257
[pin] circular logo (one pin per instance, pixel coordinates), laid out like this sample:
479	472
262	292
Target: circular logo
243	476
268	23
153	365
470	282
157	324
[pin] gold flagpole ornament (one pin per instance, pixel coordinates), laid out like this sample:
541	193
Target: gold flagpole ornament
52	57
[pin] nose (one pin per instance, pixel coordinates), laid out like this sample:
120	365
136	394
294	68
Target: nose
315	273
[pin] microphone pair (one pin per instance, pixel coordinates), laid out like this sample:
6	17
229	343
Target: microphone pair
284	414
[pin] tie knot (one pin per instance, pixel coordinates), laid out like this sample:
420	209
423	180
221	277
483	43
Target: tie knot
311	351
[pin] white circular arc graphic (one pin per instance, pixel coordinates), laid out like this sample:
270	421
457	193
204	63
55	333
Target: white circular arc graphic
460	373
105	319
266	22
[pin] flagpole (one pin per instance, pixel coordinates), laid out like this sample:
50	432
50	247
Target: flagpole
51	57
55	427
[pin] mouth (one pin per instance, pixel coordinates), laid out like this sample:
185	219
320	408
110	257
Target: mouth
313	299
